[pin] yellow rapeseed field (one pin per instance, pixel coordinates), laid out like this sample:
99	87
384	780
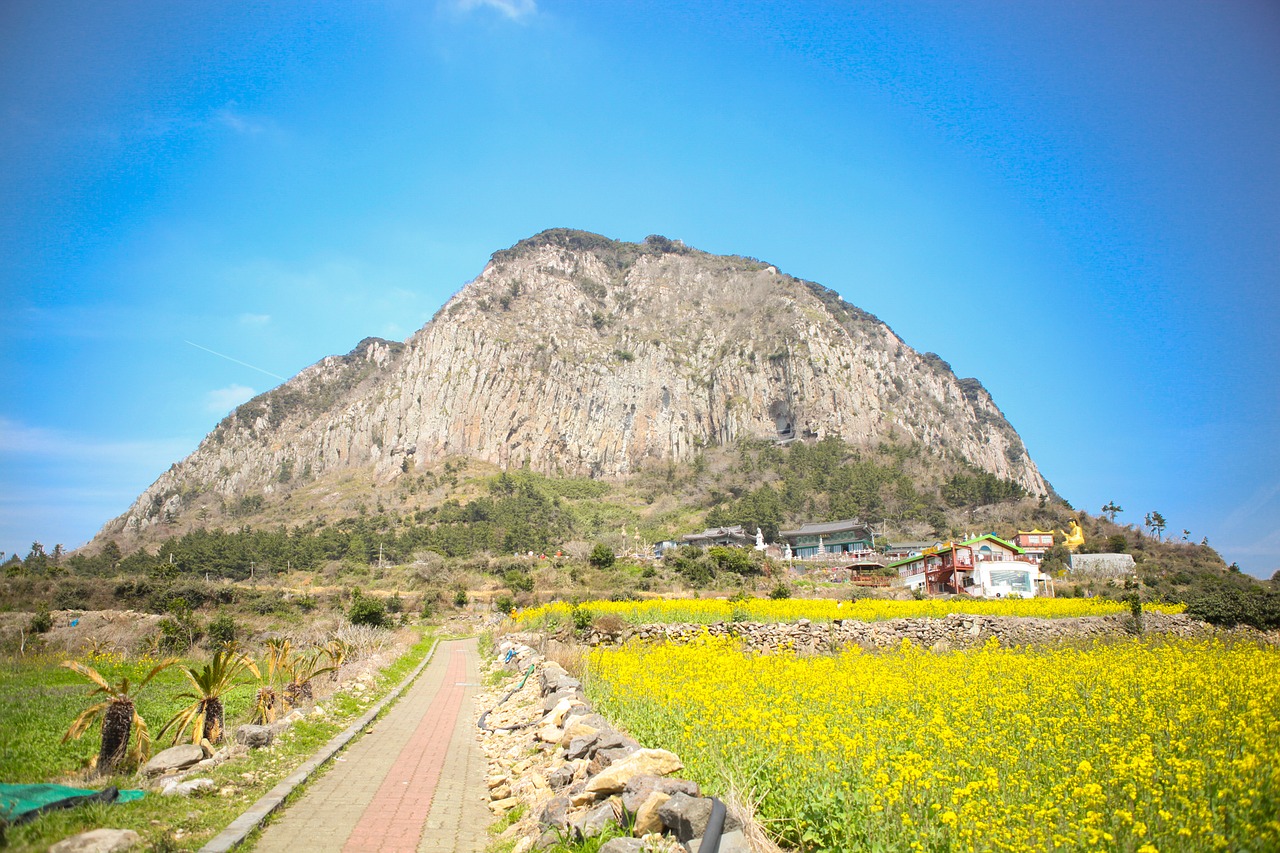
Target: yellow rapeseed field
1134	745
706	611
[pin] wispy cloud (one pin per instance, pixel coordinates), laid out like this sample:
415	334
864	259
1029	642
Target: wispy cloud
514	10
223	400
254	320
234	120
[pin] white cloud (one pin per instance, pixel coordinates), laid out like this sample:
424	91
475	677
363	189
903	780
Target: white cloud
256	320
224	400
515	10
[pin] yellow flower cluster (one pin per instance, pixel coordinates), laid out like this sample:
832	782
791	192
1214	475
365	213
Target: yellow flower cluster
1136	745
705	611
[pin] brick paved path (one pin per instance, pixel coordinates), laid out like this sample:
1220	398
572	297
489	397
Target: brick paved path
386	792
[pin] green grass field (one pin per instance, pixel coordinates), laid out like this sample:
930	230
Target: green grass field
39	699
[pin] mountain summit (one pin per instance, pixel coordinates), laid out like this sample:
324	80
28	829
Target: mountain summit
575	354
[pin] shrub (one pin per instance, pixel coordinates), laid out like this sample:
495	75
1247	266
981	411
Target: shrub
368	611
518	581
1256	608
601	556
505	604
460	597
780	591
733	560
222	630
72	595
41	623
178	633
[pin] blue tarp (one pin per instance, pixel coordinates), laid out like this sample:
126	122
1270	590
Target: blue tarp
19	803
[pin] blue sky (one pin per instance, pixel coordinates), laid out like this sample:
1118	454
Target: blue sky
199	198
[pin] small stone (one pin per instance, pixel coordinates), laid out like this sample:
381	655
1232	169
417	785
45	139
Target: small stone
582	798
623	845
558	713
98	841
500	806
187	788
560	777
730	842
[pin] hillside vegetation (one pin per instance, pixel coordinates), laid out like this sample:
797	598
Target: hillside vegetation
468	526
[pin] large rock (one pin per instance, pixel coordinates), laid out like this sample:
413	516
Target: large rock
555	813
687	816
647	817
98	841
603	758
255	737
597	820
173	758
639	789
645	762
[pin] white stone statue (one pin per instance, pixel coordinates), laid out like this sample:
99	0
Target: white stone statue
788	553
759	540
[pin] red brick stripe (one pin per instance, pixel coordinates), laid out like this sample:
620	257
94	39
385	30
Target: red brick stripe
394	819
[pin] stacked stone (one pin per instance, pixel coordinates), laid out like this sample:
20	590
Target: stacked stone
956	630
578	774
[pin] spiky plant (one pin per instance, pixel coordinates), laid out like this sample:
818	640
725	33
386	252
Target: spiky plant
120	717
275	665
204	716
337	650
303	668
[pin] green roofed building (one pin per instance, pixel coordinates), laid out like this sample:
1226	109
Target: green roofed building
809	540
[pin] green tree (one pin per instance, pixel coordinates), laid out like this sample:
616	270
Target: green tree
601	556
1156	523
368	611
37	561
1111	509
734	560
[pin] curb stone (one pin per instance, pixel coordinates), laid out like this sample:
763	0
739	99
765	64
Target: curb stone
239	829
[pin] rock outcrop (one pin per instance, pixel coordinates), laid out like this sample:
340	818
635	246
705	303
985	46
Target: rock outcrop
579	355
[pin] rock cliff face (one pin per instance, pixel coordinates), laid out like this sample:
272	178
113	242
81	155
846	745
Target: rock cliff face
575	354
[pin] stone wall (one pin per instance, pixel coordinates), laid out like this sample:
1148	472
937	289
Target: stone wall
954	631
1103	565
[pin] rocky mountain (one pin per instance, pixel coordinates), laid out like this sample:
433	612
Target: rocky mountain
575	354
